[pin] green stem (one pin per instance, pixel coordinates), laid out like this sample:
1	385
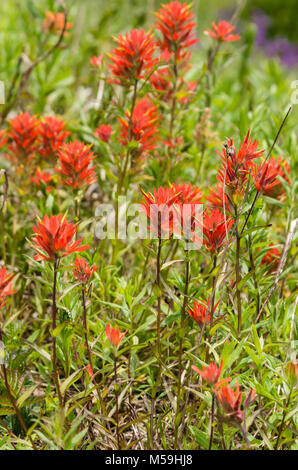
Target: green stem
117	401
85	327
173	110
76	208
237	272
180	356
212	421
208	74
54	324
159	298
158	342
243	432
253	269
3	237
123	171
213	292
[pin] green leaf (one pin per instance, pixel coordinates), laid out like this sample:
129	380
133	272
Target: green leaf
6	411
58	330
169	263
244	280
201	437
70	380
23	398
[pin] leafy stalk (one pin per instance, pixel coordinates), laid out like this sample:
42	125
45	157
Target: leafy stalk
54	324
180	354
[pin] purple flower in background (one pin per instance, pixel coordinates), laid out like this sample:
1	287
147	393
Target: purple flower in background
262	22
278	46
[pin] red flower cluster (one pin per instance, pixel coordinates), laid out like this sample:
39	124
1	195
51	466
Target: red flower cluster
114	335
216	200
104	132
3	139
161	81
133	58
188	194
82	272
172	210
52	135
186	214
161	196
237	165
28	136
292	372
199	312
266	177
22	134
75	159
54	237
143	128
233	173
175	22
159	210
54	22
230	401
222	32
96	60
42	177
215	229
5	285
211	373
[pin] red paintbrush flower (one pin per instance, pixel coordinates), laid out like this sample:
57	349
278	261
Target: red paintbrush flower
222	32
175	22
188	194
23	134
230	400
237	165
52	135
114	335
54	23
211	373
188	92
3	139
161	81
215	198
54	238
104	132
248	150
5	285
214	229
75	159
96	60
160	211
292	372
199	311
174	143
89	370
272	258
266	177
82	271
143	129
187	210
42	177
133	58
165	56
